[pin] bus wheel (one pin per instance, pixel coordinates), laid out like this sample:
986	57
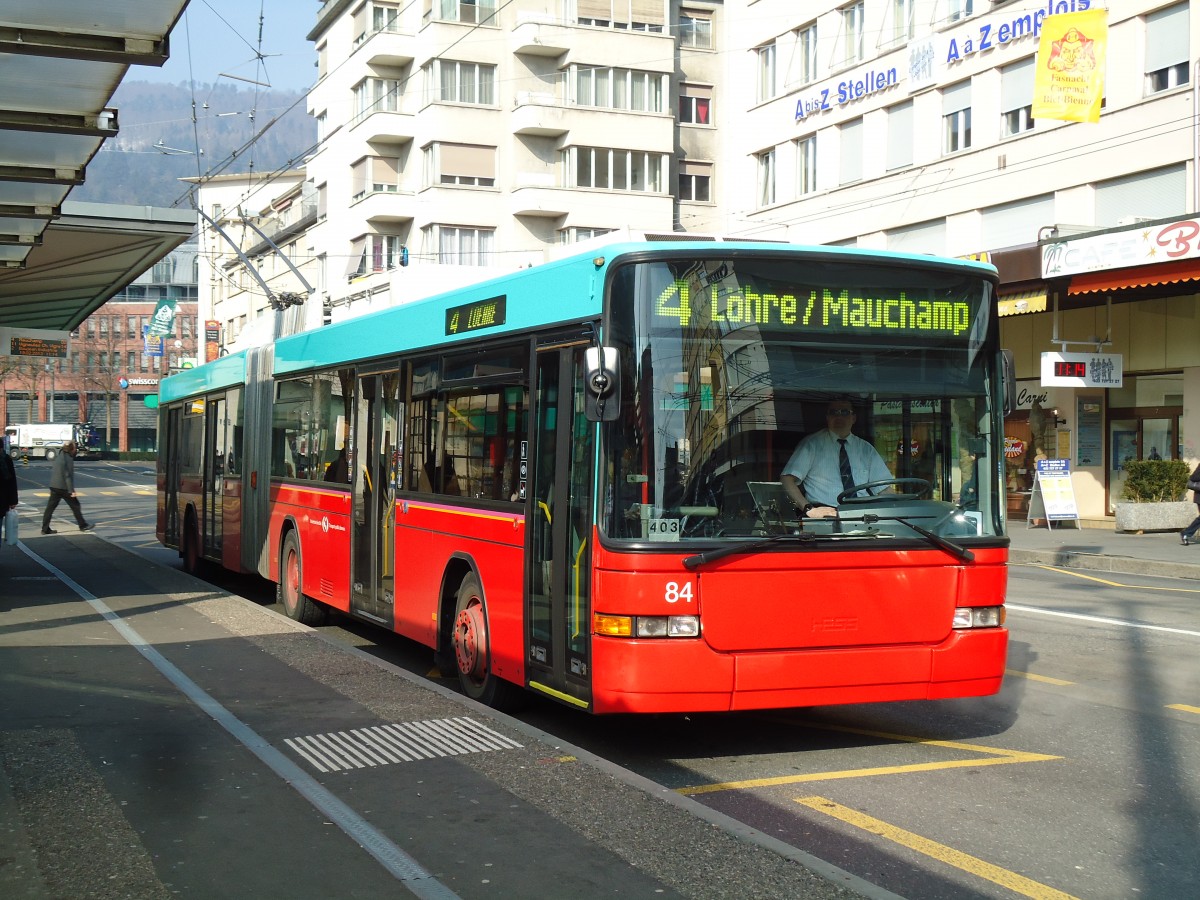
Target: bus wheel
472	650
296	605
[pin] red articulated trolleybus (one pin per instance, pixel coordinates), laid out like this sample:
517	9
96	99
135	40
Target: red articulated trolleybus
568	480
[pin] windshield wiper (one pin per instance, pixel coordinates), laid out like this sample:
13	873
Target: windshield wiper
695	562
937	540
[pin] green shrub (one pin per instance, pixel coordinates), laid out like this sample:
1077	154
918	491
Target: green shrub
1155	480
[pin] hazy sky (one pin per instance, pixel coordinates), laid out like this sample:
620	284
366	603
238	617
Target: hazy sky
216	37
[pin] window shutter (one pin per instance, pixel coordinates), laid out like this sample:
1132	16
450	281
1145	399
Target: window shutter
358	177
652	12
1016	85
468	160
957	97
1167	37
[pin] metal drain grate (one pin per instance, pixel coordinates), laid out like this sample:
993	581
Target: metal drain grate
383	745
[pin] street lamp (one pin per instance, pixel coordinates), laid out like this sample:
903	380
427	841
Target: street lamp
50	397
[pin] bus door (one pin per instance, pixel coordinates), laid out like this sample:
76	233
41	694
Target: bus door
214	478
168	465
372	520
559	514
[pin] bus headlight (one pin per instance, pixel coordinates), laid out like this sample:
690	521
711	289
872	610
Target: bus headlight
646	626
979	617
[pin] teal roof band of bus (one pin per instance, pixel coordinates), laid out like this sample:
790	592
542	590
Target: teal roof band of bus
224	372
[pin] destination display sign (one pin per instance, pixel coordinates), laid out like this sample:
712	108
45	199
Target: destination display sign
35	346
473	316
819	311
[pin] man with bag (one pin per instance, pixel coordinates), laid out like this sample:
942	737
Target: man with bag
1185	536
62	487
8	495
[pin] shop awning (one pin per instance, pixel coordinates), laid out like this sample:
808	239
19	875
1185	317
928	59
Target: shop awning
1139	276
1022	302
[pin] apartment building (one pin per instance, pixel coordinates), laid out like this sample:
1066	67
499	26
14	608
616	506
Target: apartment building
474	135
908	125
110	374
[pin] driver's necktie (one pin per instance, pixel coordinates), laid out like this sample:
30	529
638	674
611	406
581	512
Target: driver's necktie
844	466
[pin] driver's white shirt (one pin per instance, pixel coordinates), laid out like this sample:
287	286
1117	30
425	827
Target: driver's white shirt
815	465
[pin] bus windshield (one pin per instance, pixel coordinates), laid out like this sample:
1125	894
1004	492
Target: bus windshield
728	364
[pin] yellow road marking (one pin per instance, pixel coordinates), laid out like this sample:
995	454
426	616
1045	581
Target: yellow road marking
959	860
999	757
1184	708
1043	678
1138	587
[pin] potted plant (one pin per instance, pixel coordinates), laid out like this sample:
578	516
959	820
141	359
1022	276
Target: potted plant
1154	496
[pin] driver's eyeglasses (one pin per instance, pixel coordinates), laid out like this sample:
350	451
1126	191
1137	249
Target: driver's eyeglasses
838	412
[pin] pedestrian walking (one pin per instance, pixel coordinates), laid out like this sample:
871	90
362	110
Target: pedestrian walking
1185	536
8	495
62	487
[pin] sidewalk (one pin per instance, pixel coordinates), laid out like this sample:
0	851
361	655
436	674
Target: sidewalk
1103	550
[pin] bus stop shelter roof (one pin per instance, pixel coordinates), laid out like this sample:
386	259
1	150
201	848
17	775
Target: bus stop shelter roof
60	65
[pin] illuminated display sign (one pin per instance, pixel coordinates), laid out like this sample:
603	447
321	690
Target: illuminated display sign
1083	370
473	316
818	311
35	346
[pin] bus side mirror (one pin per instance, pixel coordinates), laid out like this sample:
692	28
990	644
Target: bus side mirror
1008	377
602	383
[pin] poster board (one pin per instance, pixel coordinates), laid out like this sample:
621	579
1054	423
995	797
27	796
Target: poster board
1053	497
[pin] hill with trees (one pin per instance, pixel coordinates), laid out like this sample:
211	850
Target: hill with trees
160	140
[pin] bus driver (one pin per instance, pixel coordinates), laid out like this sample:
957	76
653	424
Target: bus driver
831	461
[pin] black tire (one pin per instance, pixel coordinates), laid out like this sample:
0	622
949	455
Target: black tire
296	604
50	454
472	650
189	550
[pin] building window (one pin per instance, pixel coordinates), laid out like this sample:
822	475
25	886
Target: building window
467	165
904	18
1167	48
615	170
374	175
956	117
455	245
695	29
765	162
372	95
960	9
766	71
385	17
695	181
853	33
619	89
851	151
384	251
900	136
806	165
574	235
1016	97
695	104
462	82
468	12
805	56
627	15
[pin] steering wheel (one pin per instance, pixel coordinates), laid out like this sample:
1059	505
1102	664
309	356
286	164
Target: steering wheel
924	489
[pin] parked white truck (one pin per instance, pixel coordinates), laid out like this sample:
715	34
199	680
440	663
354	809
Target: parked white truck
44	439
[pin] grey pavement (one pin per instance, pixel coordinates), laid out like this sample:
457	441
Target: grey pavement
1103	549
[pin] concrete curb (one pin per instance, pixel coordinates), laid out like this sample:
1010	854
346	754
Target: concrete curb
1124	565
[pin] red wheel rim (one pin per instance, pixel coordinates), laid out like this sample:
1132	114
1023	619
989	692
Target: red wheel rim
470	646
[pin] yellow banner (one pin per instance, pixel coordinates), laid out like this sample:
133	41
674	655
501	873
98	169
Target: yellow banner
1068	80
